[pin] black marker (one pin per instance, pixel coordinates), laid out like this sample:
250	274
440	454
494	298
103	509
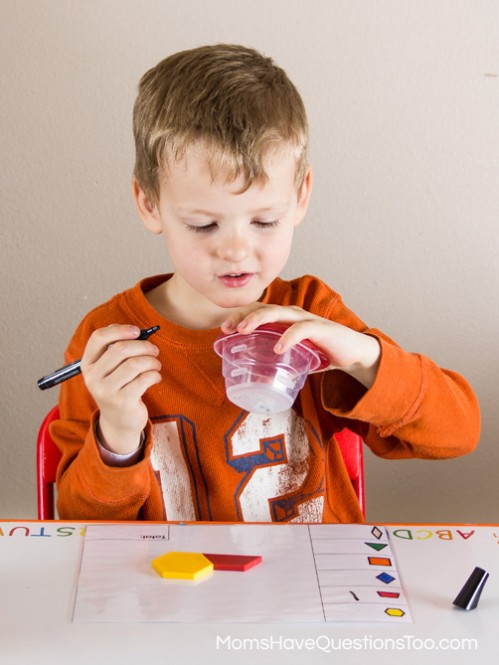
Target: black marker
469	595
73	369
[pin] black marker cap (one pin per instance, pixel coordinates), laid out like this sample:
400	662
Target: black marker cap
469	595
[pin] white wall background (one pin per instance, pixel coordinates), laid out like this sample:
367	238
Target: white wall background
403	102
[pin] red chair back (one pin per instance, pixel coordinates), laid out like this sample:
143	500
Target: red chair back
352	449
47	460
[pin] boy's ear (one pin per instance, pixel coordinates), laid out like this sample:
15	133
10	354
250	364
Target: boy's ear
304	196
147	210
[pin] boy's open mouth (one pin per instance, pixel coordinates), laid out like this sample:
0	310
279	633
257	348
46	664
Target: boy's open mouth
236	279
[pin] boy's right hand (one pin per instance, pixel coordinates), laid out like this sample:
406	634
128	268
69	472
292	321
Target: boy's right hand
117	370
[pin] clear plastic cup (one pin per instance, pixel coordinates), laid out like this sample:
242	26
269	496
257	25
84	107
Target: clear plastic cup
259	380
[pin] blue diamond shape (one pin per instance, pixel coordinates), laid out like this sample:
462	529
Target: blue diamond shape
385	578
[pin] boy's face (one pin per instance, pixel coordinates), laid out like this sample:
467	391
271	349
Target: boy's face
226	246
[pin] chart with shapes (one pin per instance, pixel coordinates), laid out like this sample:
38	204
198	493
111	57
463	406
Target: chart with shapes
319	573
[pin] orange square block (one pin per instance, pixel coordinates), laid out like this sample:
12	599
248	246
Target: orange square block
182	565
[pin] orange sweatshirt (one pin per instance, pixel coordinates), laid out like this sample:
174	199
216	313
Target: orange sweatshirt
206	459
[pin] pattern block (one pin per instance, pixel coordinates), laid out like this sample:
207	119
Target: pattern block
236	562
182	565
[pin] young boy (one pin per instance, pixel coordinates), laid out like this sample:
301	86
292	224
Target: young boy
147	432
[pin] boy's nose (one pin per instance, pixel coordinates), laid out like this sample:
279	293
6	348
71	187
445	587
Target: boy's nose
234	249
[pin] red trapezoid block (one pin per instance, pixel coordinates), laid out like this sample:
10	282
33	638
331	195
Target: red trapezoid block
237	562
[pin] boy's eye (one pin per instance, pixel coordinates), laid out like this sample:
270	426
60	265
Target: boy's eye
206	228
266	225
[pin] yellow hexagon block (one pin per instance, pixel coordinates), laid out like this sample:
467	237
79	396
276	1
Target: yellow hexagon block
394	612
182	565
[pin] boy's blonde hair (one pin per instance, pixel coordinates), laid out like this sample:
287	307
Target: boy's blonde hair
234	100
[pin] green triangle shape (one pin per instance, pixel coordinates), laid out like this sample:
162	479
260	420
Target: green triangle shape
377	546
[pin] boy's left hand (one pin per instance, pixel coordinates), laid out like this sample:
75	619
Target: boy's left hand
348	350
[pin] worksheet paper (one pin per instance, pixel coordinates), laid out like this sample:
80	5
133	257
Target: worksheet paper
322	573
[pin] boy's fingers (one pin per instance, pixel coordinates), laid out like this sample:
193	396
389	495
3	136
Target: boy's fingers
136	388
311	330
247	319
233	321
100	339
118	355
109	389
129	370
296	333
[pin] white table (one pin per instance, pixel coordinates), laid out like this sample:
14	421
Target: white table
39	564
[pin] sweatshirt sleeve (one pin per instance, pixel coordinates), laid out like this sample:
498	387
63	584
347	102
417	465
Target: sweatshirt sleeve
87	487
413	409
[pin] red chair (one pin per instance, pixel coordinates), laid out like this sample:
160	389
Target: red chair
48	456
47	459
352	449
